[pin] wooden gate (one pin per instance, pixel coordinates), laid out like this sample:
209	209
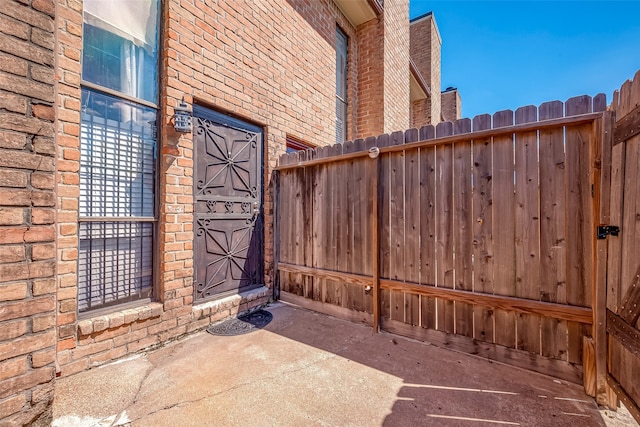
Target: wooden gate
478	235
228	220
515	237
623	269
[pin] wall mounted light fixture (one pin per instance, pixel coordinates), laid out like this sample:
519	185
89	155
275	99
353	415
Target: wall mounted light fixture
182	118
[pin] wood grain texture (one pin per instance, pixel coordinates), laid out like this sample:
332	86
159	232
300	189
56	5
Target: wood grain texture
629	402
427	191
603	130
504	227
580	255
473	229
625	333
498	302
589	366
412	226
444	227
444	140
463	226
396	226
553	250
527	228
555	368
483	227
385	222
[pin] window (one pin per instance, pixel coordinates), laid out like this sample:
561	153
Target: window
294	144
341	86
118	152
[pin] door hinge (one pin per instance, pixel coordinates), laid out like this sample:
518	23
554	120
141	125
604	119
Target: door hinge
606	230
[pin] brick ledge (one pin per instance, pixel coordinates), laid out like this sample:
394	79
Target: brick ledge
119	318
228	304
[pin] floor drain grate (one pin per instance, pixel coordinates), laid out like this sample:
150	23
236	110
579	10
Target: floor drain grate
243	324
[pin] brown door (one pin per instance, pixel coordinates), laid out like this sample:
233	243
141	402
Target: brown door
228	220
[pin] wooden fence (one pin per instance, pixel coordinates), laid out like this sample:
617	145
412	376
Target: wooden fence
487	236
620	257
478	234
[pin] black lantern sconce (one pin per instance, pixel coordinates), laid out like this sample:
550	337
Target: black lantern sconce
182	118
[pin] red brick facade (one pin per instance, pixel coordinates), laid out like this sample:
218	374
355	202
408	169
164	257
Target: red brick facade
271	63
27	214
425	44
451	105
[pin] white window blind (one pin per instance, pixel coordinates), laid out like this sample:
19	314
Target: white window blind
117	181
115	263
341	85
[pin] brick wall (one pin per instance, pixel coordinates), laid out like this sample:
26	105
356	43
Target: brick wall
425	46
383	72
421	113
370	111
397	103
237	57
451	105
27	217
68	50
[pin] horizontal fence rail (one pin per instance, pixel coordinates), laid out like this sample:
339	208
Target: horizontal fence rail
478	234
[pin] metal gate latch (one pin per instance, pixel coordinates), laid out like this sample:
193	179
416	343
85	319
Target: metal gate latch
605	230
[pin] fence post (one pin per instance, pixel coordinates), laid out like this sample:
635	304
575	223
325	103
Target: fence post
275	180
603	133
375	245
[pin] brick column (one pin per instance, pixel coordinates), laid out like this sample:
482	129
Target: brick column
27	217
425	46
68	51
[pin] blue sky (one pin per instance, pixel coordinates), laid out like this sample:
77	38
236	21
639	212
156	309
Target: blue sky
506	54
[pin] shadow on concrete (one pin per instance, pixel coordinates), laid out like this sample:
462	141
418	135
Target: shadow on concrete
441	387
309	369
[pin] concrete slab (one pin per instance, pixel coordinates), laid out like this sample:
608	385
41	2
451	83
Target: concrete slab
306	369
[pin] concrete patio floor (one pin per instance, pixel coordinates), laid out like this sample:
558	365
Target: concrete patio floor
310	369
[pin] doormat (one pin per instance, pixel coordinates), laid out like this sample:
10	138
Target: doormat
243	324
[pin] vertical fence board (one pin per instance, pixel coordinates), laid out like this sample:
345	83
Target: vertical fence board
385	239
319	225
463	227
302	284
614	246
427	226
369	187
285	229
504	227
397	225
360	195
579	218
630	224
553	251
330	210
527	229
603	138
346	255
444	227
307	224
483	227
412	227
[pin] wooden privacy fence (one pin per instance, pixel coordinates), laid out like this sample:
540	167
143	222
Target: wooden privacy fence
487	236
479	229
619	258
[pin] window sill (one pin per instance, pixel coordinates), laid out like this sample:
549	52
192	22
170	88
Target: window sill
119	318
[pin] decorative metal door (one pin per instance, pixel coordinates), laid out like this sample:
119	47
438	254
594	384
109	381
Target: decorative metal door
228	220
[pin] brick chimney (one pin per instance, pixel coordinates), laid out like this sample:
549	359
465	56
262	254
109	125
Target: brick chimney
451	104
425	45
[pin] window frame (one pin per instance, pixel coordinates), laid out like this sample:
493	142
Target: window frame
296	144
155	247
340	33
